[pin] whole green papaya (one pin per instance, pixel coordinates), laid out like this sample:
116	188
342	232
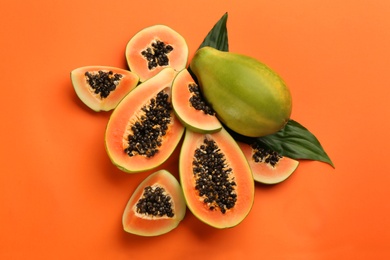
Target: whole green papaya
248	97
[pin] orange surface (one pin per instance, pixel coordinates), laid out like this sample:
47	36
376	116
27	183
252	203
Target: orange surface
61	198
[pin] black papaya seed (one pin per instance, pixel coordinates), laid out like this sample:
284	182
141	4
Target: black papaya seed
147	133
212	177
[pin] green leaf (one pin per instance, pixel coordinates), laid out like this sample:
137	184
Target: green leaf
218	36
296	142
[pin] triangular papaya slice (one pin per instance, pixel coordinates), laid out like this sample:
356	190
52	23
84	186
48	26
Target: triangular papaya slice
156	207
101	88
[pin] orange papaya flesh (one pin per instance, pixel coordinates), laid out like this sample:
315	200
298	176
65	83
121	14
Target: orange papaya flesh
163	190
101	88
216	179
141	134
268	167
190	107
155	48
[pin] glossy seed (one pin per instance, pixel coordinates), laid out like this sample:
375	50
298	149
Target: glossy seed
261	154
213	180
197	101
149	130
156	55
103	83
155	202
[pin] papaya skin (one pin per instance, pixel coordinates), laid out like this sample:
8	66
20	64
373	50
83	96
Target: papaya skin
248	96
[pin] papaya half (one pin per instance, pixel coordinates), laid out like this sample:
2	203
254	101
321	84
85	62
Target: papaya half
247	96
143	131
216	179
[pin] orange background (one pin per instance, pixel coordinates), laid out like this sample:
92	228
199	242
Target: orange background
61	198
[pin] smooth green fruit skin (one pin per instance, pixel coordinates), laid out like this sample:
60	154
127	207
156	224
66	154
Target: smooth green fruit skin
247	95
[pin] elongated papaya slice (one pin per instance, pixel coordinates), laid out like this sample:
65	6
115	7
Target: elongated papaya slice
268	167
190	106
102	87
143	130
156	207
216	178
155	48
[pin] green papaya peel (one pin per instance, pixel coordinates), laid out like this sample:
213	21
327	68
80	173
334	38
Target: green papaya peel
248	96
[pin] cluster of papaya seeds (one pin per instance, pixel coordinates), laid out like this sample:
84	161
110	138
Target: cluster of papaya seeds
157	103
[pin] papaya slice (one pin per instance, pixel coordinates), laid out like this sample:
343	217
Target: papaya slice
102	87
155	48
190	107
143	131
268	167
156	207
216	179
